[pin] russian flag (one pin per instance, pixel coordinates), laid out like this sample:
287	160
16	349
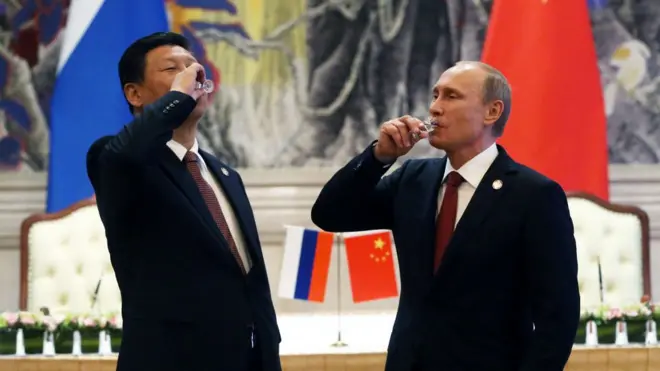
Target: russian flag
88	101
306	263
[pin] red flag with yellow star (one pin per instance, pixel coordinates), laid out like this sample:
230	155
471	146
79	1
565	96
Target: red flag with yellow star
371	266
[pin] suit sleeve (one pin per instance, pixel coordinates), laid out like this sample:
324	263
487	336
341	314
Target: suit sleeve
111	157
551	269
358	197
151	129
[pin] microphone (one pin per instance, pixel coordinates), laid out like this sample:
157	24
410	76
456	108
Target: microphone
95	296
600	282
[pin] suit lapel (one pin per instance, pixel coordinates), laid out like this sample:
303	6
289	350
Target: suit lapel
235	192
486	197
180	176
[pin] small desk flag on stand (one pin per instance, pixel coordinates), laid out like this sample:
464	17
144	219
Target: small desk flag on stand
305	265
371	265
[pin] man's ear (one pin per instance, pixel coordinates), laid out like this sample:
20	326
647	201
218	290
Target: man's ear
132	94
493	112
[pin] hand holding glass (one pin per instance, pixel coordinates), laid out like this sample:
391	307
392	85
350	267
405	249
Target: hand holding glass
429	126
207	86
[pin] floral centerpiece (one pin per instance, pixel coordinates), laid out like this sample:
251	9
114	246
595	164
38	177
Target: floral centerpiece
611	318
33	332
87	328
636	318
650	310
586	316
8	329
638	325
633	318
655	312
64	338
51	325
83	326
90	326
115	325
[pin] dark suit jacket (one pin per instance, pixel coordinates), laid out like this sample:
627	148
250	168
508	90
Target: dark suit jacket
186	304
510	265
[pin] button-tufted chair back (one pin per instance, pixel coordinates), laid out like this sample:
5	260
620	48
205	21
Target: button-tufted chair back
617	237
64	256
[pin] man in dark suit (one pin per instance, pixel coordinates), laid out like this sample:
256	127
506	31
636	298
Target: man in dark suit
498	292
180	229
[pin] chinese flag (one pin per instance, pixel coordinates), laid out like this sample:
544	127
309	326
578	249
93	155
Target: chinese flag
371	266
557	126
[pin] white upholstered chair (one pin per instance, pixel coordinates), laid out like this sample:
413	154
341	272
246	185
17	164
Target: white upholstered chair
64	256
617	236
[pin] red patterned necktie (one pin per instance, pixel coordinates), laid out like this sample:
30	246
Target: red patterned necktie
447	217
212	203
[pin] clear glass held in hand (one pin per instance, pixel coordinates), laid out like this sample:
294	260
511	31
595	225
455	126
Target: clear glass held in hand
429	126
207	86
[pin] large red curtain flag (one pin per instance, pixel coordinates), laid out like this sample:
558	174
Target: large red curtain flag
557	126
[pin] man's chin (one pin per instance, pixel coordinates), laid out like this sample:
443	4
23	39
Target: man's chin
439	143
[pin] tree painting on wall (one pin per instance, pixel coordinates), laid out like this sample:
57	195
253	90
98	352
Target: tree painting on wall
306	83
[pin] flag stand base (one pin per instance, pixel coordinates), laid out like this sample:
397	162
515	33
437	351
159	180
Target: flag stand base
339	344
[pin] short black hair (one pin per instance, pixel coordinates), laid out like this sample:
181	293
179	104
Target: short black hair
134	60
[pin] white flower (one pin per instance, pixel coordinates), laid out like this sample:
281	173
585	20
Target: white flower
27	318
116	322
613	313
51	323
632	313
11	318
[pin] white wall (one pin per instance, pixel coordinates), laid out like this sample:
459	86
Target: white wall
285	197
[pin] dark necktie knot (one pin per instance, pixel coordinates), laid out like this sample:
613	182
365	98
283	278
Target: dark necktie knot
454	179
190	157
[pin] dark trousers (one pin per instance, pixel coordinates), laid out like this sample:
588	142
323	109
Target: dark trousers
174	346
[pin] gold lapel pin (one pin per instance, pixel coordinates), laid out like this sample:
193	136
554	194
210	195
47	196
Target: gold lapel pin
497	184
224	171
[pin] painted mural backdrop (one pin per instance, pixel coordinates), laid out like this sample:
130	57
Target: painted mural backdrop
307	82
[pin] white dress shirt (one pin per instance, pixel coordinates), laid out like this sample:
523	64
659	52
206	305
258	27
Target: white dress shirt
473	171
227	210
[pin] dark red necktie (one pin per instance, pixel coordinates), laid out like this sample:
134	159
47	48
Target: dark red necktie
447	217
212	203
